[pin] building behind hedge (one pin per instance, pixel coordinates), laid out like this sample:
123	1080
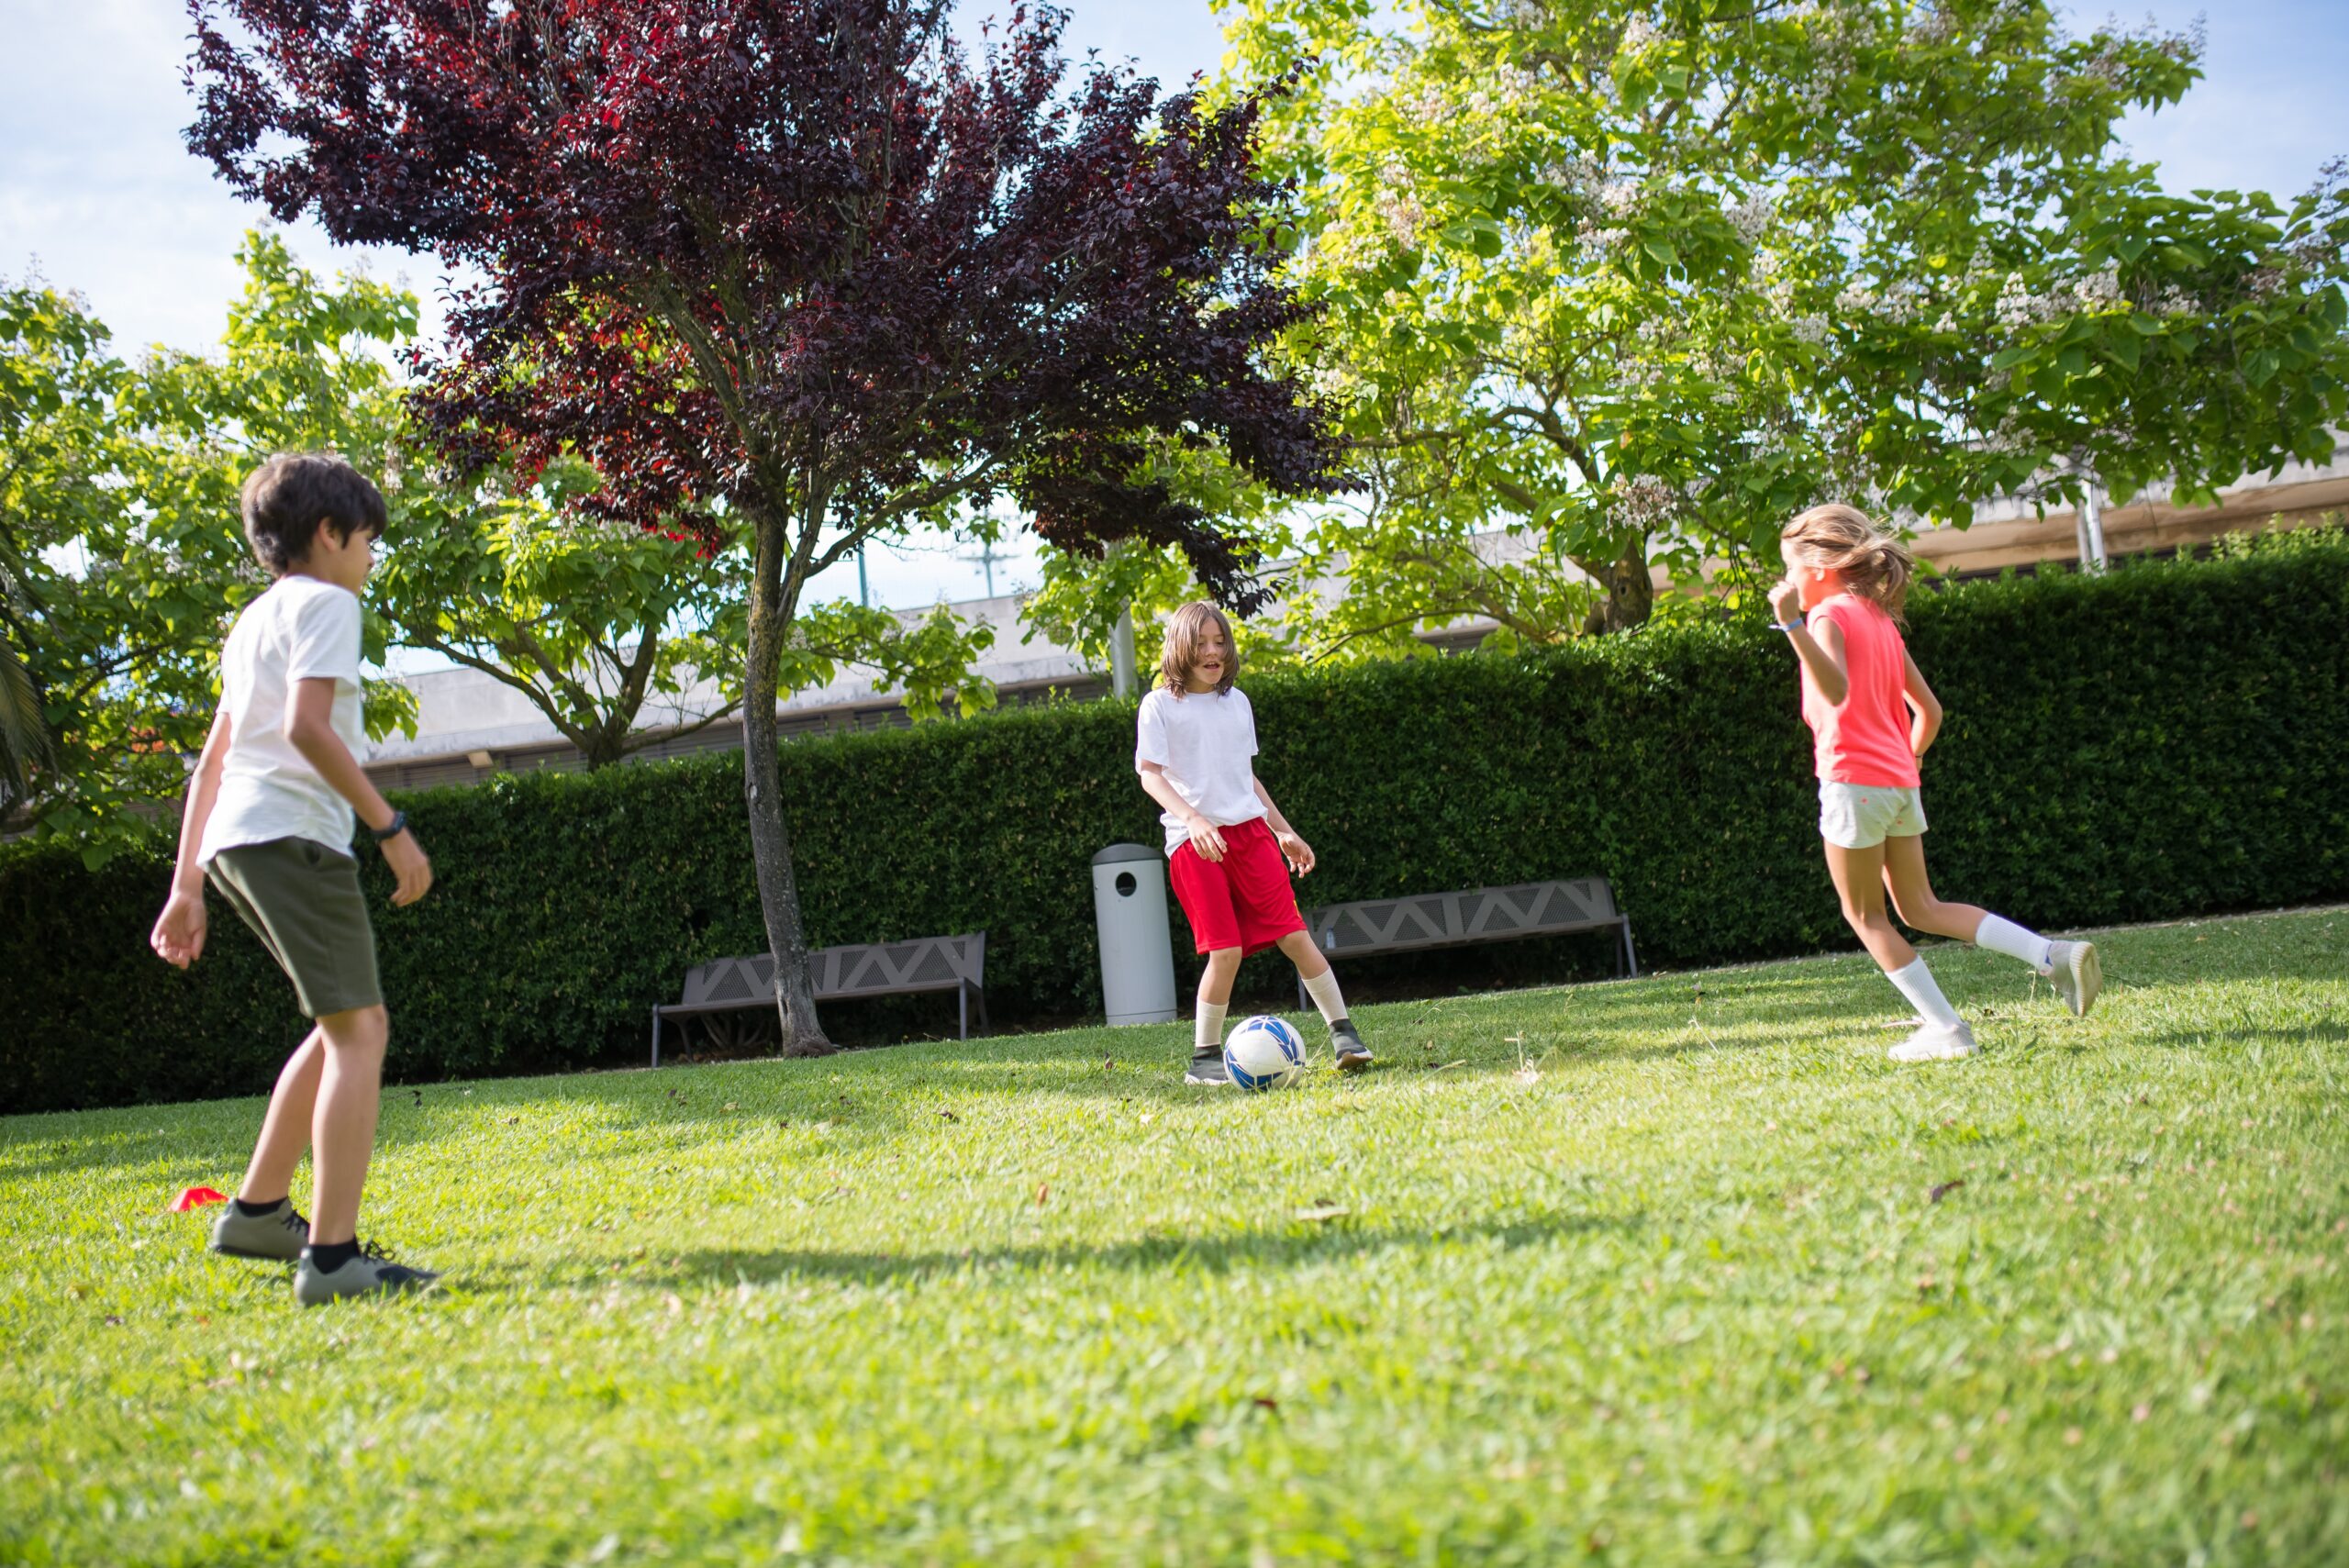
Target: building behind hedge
473	726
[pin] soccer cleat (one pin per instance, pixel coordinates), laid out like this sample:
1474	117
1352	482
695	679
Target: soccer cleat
2077	974
370	1273
277	1237
1208	1068
1352	1055
1935	1042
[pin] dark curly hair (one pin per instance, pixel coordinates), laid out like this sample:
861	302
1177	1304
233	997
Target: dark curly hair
287	500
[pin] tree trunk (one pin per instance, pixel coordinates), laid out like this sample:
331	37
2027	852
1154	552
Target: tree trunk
762	790
1631	590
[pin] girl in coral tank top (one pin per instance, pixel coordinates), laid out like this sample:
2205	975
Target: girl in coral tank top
1871	716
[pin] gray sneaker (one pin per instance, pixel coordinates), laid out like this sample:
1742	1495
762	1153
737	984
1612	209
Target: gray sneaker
2078	974
1935	1042
277	1237
1352	1055
370	1273
1208	1068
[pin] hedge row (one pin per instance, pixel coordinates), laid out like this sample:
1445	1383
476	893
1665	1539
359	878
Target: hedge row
2164	741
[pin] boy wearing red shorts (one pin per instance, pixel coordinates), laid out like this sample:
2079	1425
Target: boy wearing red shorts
1225	841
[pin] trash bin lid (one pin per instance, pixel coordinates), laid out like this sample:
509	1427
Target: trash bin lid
1117	853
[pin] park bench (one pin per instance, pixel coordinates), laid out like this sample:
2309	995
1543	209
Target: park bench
1425	920
869	969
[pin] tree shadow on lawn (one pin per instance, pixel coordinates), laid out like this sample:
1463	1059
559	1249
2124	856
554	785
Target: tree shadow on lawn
2332	1032
1301	1242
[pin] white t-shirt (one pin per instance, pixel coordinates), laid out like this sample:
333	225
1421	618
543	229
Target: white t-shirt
300	629
1206	744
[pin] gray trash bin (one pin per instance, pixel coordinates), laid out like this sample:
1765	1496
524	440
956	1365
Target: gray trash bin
1137	950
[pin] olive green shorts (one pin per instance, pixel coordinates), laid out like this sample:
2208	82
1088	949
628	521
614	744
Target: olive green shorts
302	900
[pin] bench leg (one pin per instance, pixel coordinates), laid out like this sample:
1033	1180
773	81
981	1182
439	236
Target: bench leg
656	1036
981	998
1630	959
962	1006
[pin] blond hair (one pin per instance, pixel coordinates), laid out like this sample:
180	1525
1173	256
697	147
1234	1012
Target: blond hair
1183	629
1845	541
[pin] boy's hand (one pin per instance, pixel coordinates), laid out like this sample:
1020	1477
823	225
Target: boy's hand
178	936
1206	839
409	864
1296	852
1785	601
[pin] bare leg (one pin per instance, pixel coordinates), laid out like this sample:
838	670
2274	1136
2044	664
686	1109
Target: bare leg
1215	981
286	1129
1912	893
1859	880
1300	950
342	1129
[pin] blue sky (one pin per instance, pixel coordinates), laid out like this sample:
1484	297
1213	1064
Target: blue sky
97	188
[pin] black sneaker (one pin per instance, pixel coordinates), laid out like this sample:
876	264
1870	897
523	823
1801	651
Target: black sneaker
1208	1068
370	1273
1352	1055
277	1237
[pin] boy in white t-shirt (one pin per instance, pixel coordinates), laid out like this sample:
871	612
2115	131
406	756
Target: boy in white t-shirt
1225	841
269	820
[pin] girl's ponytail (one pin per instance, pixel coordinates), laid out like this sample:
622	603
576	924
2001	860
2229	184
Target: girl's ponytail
1872	562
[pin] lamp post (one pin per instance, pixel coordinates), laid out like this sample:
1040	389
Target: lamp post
1121	653
2089	525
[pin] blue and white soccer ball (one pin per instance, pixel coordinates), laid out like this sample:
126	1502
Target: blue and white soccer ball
1264	1053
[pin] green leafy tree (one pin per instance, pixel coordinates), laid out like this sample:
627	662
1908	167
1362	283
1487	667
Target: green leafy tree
122	563
1083	596
1611	286
111	585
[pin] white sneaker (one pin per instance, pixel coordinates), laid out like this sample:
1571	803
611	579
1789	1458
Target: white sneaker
2077	974
1935	1042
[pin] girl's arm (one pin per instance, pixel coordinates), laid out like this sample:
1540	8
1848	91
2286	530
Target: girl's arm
1206	838
1822	655
178	936
1299	853
1927	723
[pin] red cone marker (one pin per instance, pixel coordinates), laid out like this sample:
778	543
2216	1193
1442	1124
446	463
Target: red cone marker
196	1197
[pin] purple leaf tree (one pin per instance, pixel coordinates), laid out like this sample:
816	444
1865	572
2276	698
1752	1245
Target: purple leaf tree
802	264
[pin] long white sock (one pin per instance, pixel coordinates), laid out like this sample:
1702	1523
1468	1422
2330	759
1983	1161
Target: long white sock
1208	1034
2002	935
1323	989
1925	993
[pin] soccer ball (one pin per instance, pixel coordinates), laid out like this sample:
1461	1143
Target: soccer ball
1264	1053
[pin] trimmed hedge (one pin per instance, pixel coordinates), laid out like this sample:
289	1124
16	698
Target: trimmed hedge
2164	741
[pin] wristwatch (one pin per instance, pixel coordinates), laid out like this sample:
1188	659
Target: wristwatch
392	829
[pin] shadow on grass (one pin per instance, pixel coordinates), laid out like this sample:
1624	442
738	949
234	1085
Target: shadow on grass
2246	1036
872	1094
1300	1243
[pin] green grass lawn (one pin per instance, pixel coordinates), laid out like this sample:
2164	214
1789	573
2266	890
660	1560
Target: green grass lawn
1592	1275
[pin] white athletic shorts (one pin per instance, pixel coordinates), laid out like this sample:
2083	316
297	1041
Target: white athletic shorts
1860	817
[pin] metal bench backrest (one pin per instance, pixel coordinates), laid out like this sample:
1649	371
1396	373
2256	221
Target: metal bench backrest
1483	914
929	963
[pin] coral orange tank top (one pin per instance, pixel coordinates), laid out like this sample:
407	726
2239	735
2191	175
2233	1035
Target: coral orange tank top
1864	739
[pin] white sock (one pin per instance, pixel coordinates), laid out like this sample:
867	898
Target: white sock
1323	989
1208	1034
2002	935
1916	984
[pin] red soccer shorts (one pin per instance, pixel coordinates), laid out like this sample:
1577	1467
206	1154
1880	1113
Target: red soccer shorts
1242	901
